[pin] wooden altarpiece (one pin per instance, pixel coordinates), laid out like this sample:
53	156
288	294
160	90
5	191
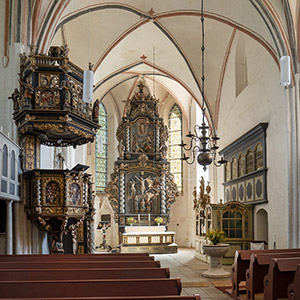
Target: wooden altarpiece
141	185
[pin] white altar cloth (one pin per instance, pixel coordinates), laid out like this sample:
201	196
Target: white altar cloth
145	229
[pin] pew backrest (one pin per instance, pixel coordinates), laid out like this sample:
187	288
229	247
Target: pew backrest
294	288
79	264
281	273
94	257
174	297
258	269
241	264
90	288
73	274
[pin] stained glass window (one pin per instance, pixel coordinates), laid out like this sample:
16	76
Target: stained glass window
174	150
101	151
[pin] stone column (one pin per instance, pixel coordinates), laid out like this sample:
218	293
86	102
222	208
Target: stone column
9	227
292	96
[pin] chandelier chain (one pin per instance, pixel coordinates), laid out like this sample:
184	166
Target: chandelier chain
203	143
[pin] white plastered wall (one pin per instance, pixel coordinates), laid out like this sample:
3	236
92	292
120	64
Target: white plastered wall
182	215
263	100
102	204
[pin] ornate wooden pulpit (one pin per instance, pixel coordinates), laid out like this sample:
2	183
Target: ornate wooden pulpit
49	109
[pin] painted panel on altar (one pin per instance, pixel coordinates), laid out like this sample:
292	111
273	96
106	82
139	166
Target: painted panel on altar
143	193
142	136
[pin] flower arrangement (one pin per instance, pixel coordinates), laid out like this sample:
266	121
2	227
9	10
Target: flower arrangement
131	220
158	220
216	236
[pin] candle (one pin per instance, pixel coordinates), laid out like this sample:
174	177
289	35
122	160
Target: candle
139	219
149	219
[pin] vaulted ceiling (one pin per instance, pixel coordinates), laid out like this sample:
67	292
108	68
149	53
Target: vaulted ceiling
161	41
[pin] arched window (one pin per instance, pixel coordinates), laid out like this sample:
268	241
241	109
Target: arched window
234	168
258	157
5	161
174	150
101	151
249	161
13	166
241	165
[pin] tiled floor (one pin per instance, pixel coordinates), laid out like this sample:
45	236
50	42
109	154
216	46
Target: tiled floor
185	266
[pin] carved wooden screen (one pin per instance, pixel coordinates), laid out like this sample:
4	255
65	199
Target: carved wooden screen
245	171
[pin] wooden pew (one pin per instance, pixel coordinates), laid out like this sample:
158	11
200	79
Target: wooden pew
195	297
90	288
294	288
241	264
281	274
79	264
73	274
258	269
77	255
105	256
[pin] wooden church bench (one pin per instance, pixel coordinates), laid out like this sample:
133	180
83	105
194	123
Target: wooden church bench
294	288
105	256
195	297
3	256
281	274
73	274
241	264
90	288
79	264
258	269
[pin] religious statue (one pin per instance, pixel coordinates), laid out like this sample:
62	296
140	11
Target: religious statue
142	184
15	96
26	91
95	112
104	226
132	187
66	91
204	197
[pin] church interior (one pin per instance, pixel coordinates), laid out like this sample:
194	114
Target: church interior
144	134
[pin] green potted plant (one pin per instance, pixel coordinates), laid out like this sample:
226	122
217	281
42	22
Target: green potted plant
131	220
215	250
158	220
215	236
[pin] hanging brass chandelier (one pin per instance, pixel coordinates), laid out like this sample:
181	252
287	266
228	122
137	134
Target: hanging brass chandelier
203	142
